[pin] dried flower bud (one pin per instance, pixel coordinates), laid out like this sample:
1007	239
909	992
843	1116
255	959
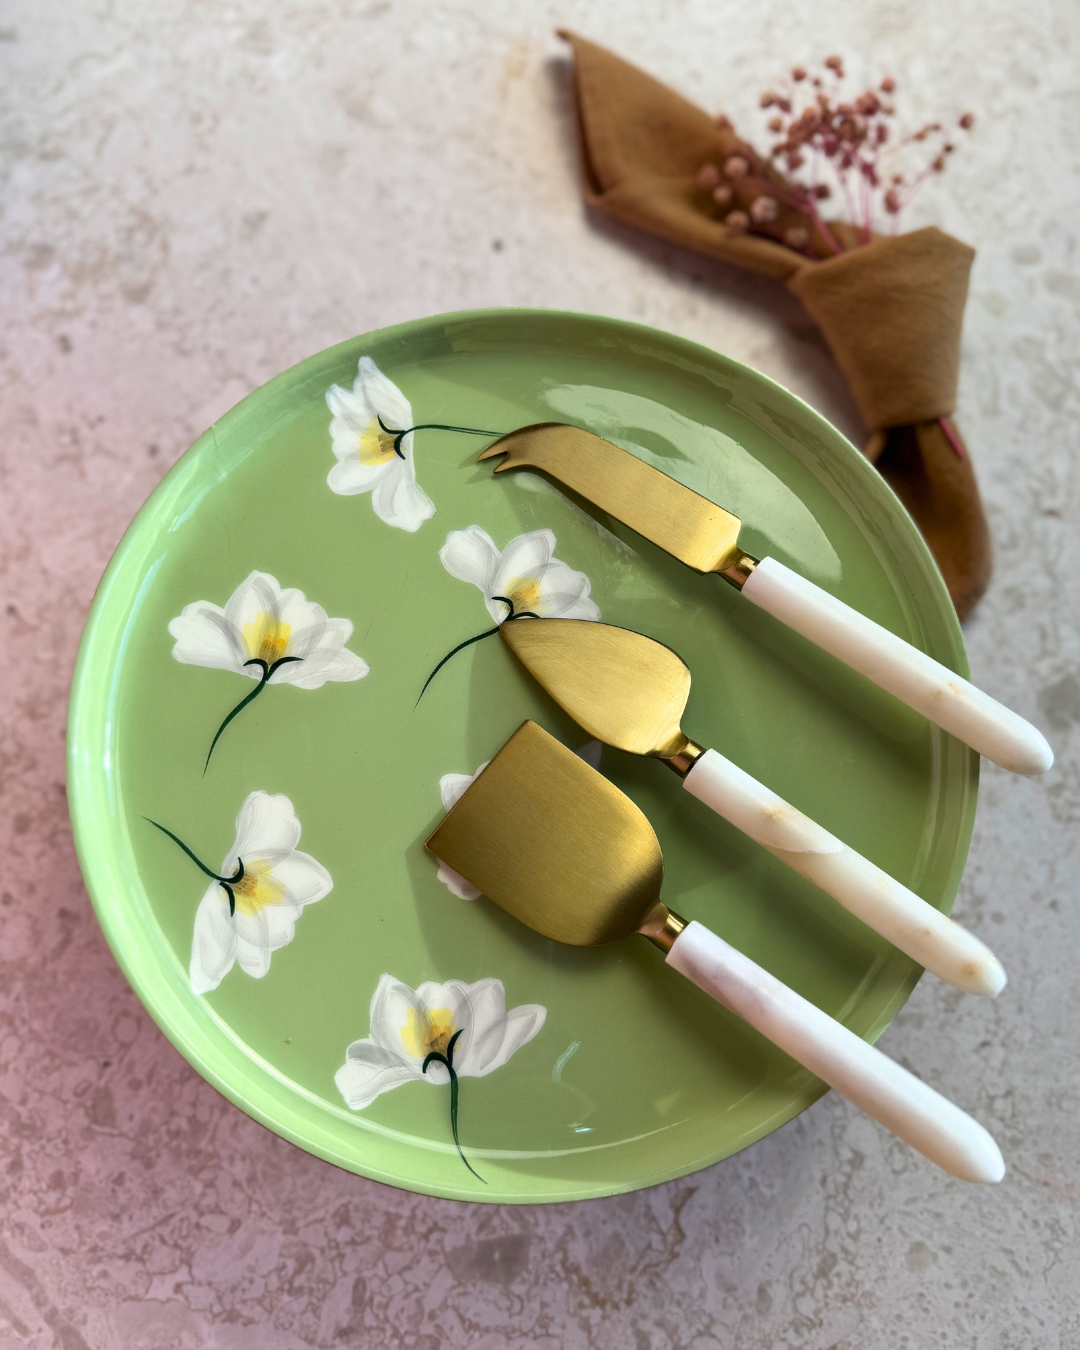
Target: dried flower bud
798	73
768	99
967	121
835	64
822	191
888	84
892	201
723	123
723	195
708	176
738	222
763	209
776	124
735	166
796	236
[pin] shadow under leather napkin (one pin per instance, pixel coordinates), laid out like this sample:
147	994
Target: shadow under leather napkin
891	310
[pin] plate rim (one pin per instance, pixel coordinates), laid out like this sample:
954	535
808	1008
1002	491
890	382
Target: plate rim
186	1027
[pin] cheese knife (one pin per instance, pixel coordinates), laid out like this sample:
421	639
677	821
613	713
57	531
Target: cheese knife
554	844
705	537
630	691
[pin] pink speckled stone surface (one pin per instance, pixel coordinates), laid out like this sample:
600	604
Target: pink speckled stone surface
198	195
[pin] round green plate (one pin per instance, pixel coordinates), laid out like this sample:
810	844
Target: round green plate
634	1076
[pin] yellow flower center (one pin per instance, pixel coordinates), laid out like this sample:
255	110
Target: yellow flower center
524	592
427	1031
257	888
376	445
266	638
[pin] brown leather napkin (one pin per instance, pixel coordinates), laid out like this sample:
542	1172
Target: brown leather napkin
891	310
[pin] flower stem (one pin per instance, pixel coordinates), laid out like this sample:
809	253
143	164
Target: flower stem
525	614
264	680
227	883
437	1057
399	436
460	647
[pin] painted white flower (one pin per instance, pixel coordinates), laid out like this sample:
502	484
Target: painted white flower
270	635
467	1026
524	579
267	634
372	454
451	788
251	907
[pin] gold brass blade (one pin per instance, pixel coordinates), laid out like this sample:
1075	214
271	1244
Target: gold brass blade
619	686
554	844
684	524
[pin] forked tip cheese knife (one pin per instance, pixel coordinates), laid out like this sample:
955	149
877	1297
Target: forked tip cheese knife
706	537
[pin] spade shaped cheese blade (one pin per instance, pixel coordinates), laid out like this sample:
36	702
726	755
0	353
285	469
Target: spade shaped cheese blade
562	850
553	843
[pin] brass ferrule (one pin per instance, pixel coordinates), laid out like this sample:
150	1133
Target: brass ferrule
738	572
685	758
662	926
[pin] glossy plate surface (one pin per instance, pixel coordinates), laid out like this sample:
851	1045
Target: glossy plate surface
630	1075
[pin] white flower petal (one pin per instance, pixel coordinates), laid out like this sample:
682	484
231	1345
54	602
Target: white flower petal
322	667
252	935
527	555
482	1015
349	478
452	785
213	945
349	414
331	637
389	1013
257	594
382	395
280	925
520	1026
564	594
266	828
307	623
464	890
304	879
398	498
471	555
369	1070
205	637
252	958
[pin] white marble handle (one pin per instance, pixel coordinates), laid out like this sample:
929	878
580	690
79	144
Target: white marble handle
882	903
876	1084
913	677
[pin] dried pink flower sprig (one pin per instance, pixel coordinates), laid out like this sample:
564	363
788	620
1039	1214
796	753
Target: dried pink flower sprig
819	132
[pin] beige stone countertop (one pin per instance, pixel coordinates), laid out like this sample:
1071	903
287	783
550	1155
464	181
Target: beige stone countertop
197	195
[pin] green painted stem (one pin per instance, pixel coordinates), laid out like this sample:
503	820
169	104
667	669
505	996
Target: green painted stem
448	1059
